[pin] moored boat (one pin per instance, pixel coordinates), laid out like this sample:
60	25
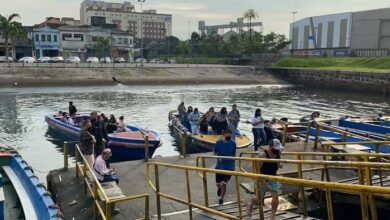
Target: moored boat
23	195
128	145
203	141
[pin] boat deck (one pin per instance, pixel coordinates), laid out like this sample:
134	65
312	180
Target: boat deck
69	190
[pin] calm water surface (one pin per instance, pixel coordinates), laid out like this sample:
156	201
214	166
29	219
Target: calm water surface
22	110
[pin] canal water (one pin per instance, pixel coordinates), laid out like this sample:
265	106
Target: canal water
22	110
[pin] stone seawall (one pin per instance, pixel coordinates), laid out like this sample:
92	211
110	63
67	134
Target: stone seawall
40	76
344	80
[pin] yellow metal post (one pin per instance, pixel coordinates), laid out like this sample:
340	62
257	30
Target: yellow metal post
65	155
146	148
183	144
85	176
302	189
329	204
189	193
146	207
307	132
205	189
157	179
285	135
237	181
95	198
364	206
259	196
108	210
77	157
317	135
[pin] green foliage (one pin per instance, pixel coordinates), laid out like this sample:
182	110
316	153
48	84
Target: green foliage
354	64
184	47
11	29
101	45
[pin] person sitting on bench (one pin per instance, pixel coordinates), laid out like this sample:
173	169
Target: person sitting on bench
102	172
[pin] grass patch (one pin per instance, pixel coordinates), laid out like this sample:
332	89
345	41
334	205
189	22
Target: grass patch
376	64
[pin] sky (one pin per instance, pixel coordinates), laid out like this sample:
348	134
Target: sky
275	14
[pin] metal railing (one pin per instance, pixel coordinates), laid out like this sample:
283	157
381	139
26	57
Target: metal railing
146	139
94	187
183	138
366	192
286	134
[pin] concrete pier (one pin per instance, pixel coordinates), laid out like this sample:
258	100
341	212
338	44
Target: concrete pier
69	193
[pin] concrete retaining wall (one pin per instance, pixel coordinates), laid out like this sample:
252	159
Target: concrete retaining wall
345	80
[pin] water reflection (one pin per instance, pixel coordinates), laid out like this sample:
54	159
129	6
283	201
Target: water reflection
22	110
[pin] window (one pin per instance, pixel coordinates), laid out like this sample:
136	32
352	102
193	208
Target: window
79	37
43	37
49	38
94	39
66	36
119	41
55	38
36	37
126	41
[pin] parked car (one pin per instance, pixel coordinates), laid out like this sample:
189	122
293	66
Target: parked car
73	59
4	59
43	59
119	60
139	60
105	60
27	60
92	60
172	61
58	59
152	61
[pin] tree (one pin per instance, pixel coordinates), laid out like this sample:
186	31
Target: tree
251	15
9	29
273	43
102	44
183	48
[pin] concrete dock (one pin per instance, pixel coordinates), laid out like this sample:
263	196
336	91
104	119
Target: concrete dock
69	193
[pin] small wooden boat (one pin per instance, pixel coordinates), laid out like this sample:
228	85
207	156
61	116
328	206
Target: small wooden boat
129	145
23	196
203	141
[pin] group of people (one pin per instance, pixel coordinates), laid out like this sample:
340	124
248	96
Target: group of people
226	147
219	122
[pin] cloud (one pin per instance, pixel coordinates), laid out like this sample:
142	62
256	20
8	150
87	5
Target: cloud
178	7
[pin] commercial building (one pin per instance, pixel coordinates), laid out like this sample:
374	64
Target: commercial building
238	27
155	26
364	33
46	41
73	41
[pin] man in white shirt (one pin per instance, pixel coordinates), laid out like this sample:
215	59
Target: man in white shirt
102	172
71	119
257	122
122	125
193	118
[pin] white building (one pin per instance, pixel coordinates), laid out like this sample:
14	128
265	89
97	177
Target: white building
97	13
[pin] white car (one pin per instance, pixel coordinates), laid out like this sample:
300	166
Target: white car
58	59
73	59
43	59
92	60
140	60
105	60
119	60
4	59
153	61
27	60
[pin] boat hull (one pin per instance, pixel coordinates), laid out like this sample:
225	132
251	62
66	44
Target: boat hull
122	148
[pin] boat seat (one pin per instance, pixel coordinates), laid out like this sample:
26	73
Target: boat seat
26	201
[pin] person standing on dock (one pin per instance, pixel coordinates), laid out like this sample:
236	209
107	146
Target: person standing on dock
98	130
72	109
257	122
87	142
234	118
269	168
182	111
224	147
193	118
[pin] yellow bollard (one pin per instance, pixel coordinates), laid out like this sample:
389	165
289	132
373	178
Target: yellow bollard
65	155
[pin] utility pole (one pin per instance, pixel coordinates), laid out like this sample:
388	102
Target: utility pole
142	35
292	33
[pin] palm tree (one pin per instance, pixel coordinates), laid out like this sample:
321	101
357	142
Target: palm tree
250	14
9	29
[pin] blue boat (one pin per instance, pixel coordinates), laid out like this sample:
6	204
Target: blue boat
23	196
128	145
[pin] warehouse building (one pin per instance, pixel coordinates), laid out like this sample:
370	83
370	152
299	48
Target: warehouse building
364	33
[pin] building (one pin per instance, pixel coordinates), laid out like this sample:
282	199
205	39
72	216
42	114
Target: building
73	41
70	21
238	26
98	13
46	41
364	33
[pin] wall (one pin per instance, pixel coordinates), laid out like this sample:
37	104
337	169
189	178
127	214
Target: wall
343	80
329	38
371	29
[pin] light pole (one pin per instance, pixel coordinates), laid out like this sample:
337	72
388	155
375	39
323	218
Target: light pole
167	39
292	34
142	35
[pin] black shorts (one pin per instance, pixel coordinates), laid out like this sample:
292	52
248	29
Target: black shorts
221	178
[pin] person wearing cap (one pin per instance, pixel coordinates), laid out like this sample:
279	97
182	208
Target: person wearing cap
269	168
227	148
102	172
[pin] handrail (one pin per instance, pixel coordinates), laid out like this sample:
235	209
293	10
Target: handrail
146	139
65	149
94	191
366	192
287	124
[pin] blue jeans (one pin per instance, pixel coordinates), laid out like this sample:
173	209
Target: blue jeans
109	178
259	137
